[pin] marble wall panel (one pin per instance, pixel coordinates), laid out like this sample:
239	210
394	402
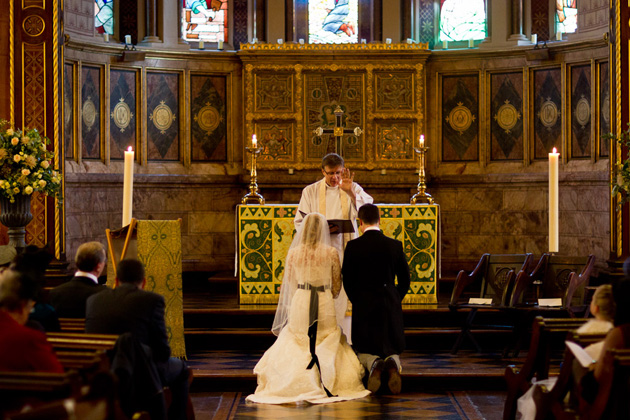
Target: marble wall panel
460	118
479	199
91	114
603	107
525	200
212	222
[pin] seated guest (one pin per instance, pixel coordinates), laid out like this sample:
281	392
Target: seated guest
69	298
128	308
21	348
7	254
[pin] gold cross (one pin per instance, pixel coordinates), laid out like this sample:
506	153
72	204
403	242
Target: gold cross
338	131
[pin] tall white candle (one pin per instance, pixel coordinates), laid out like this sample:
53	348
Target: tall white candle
128	188
421	140
554	232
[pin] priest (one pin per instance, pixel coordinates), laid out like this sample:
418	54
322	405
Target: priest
337	197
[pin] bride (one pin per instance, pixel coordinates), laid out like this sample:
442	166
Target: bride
310	360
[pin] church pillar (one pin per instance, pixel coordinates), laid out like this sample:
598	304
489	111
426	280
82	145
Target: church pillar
35	78
517	21
620	90
151	13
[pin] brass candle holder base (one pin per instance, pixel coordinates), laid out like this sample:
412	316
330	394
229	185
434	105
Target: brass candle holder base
421	197
253	196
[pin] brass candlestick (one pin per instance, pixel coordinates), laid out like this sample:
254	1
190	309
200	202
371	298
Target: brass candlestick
421	197
253	196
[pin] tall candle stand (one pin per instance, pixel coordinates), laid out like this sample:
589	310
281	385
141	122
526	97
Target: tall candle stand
253	196
421	197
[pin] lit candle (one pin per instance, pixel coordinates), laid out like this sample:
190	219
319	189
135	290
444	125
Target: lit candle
106	37
220	44
534	38
421	140
471	43
254	141
444	44
201	45
553	201
388	40
280	41
558	36
128	188
301	41
128	39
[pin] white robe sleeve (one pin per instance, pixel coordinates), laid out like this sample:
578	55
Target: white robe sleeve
308	204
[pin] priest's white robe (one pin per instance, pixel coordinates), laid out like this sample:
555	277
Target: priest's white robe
334	203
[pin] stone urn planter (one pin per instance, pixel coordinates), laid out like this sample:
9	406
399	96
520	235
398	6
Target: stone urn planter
16	216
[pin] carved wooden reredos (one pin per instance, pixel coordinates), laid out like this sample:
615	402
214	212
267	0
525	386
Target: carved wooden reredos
290	90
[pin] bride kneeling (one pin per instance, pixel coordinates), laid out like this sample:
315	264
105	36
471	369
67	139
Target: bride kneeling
311	359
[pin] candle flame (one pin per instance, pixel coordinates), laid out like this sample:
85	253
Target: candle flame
421	140
554	150
129	149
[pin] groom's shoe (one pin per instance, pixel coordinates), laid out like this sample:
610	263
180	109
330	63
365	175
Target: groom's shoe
394	382
374	380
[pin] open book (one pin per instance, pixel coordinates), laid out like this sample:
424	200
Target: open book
343	225
580	354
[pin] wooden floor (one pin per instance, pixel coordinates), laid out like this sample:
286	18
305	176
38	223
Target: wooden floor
225	340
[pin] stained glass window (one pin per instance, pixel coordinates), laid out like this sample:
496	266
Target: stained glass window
461	20
333	21
104	16
566	15
205	20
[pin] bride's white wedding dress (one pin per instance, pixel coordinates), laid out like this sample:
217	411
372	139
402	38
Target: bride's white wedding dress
282	372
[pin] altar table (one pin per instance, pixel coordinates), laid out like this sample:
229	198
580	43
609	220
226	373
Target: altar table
265	234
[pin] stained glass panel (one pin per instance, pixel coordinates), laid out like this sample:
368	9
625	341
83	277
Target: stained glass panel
205	20
104	16
566	16
333	21
461	20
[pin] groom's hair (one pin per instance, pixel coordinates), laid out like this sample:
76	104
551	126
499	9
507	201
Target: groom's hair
369	214
332	160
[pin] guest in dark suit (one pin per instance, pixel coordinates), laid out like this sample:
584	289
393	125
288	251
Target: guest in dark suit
22	349
370	265
128	308
69	298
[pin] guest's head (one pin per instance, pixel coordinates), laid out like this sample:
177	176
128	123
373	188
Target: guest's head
369	215
621	293
332	167
90	258
130	271
315	229
7	254
603	303
17	294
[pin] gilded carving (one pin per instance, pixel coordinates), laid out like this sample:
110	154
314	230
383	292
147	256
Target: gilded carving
394	91
276	141
583	111
548	114
162	117
208	118
273	92
34	25
122	115
460	118
89	113
394	142
507	116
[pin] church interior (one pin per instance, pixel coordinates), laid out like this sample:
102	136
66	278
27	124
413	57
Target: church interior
187	86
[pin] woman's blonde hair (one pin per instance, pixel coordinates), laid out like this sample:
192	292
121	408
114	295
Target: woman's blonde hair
603	299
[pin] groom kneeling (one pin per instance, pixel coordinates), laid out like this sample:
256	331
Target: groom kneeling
370	265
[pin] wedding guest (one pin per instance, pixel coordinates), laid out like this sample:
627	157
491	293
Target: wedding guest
311	360
371	264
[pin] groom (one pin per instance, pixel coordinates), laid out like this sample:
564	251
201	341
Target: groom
370	265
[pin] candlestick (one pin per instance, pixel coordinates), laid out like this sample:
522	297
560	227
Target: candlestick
553	201
201	45
421	197
253	196
128	39
363	40
128	187
220	44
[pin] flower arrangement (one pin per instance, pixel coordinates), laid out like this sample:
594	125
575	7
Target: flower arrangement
25	164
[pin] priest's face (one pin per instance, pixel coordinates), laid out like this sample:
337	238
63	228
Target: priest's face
332	175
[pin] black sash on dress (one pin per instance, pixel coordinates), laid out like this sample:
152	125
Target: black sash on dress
312	329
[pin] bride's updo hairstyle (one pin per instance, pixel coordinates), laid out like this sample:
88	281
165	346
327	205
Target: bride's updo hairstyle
313	224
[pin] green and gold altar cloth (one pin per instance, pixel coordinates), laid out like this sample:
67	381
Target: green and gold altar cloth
158	245
265	234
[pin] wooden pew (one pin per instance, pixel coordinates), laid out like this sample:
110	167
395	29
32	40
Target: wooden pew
20	388
81	341
72	324
547	335
545	398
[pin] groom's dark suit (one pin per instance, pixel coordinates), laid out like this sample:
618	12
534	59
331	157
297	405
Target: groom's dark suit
370	264
69	298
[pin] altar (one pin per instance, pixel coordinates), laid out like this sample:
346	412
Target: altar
265	234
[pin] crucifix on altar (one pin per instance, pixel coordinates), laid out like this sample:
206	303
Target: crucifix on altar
338	130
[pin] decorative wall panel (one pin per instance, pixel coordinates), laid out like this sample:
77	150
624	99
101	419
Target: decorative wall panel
603	108
162	116
395	141
581	111
274	92
276	140
506	116
78	16
394	91
460	118
122	112
266	232
68	110
240	17
547	112
540	19
208	118
91	118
